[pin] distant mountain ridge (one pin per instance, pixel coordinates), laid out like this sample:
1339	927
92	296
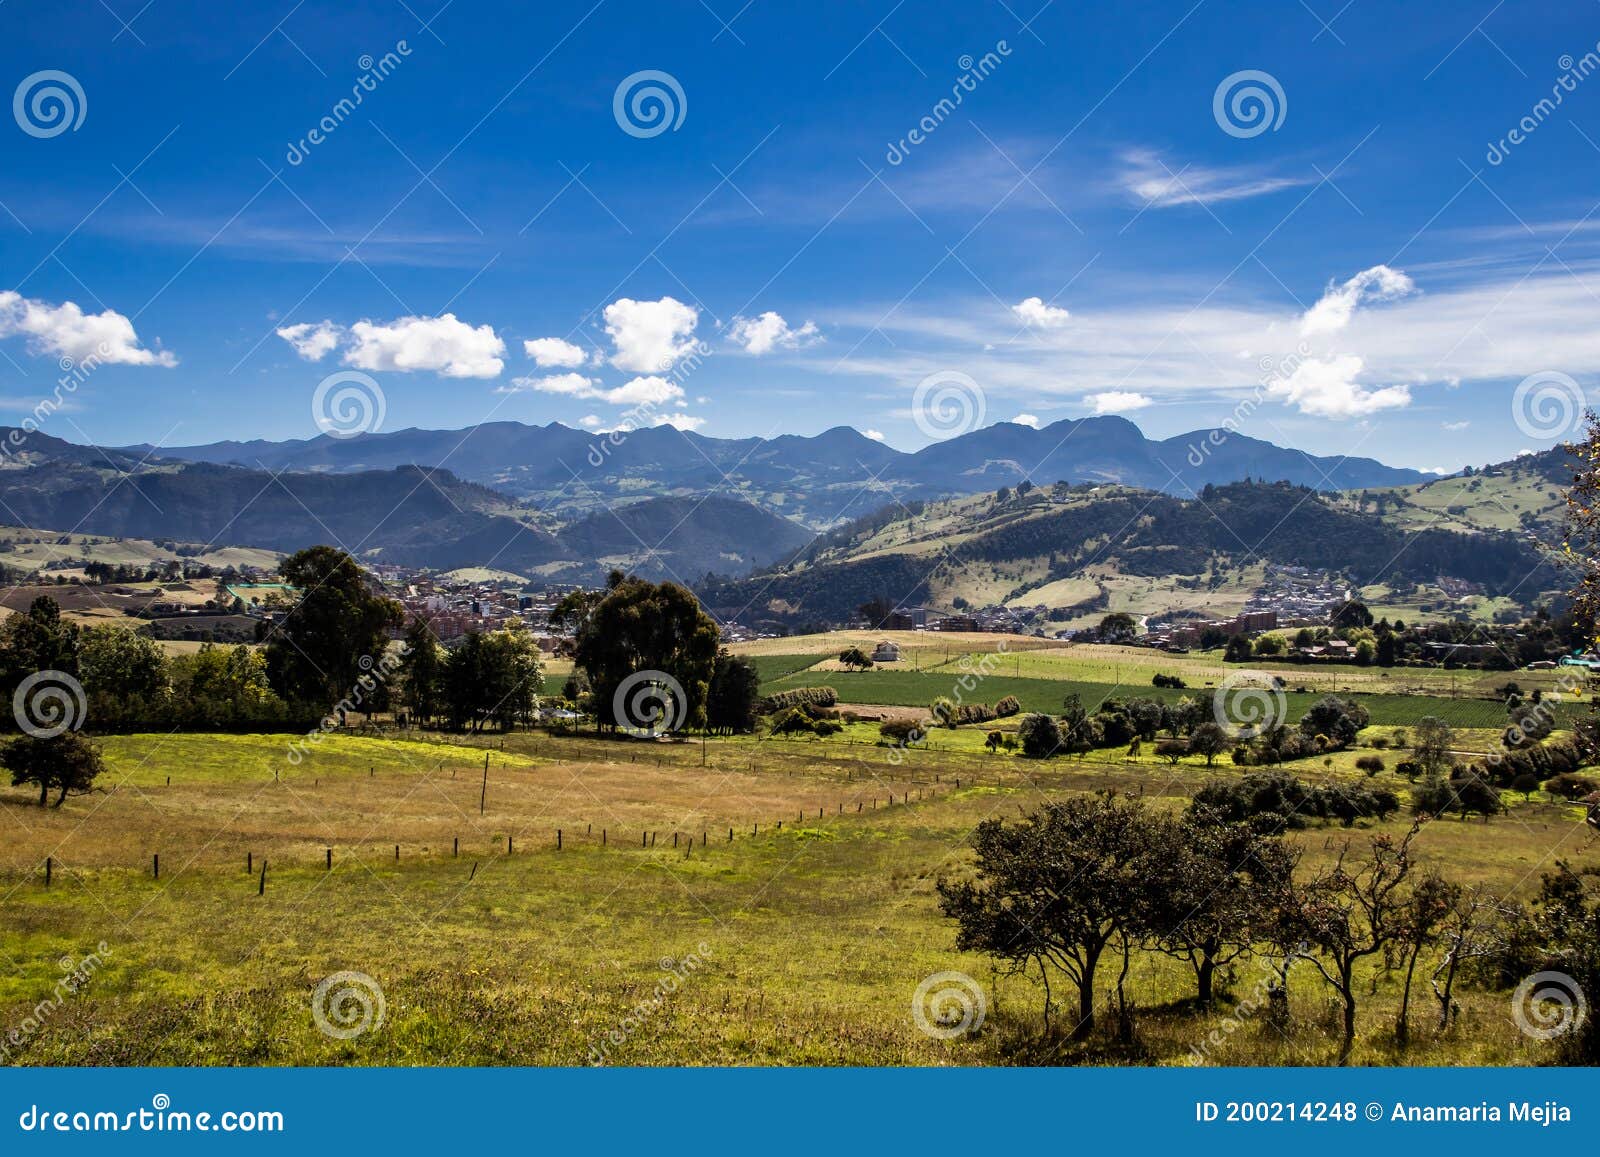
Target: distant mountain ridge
407	515
819	480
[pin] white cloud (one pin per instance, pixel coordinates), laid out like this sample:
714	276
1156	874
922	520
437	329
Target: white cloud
1154	184
762	335
593	422
875	435
554	353
568	385
650	336
1327	388
66	331
643	391
442	344
1117	401
1454	426
312	340
1030	420
1033	311
1339	302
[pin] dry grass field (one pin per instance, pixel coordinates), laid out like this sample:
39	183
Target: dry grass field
799	943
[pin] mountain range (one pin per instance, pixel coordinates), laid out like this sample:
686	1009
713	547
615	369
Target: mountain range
558	504
818	481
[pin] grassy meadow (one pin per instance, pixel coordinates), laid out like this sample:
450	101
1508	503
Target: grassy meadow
805	936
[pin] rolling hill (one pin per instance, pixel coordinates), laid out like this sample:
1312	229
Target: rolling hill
1080	551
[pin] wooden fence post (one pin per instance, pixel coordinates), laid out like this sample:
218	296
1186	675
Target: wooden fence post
48	865
155	865
261	889
455	848
330	859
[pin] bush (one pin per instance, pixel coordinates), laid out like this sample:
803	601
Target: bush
1370	764
1569	786
1171	681
904	731
1007	707
799	697
1039	736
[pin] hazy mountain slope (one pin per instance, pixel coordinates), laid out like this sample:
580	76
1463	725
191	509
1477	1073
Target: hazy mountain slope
406	515
819	480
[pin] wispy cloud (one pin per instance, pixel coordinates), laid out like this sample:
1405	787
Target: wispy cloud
1156	183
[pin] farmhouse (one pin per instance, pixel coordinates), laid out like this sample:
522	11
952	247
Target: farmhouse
886	652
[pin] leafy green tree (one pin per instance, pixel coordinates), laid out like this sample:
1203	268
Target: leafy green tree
734	695
65	763
855	659
1039	736
1432	744
1208	899
315	656
223	687
423	672
124	676
649	627
1209	740
1238	650
39	639
1339	719
1056	890
492	677
1117	626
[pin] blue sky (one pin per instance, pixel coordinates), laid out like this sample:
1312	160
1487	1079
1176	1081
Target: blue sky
1093	228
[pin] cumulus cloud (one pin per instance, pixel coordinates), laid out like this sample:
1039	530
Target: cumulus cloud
645	391
66	331
312	340
554	353
442	344
1030	420
1117	401
1033	311
650	336
762	335
1339	302
875	435
1327	388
